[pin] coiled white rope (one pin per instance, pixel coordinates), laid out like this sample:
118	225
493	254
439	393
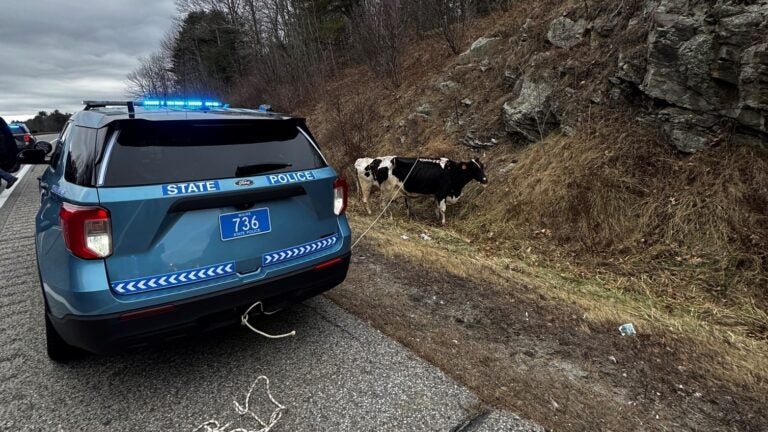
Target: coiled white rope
400	188
215	426
244	321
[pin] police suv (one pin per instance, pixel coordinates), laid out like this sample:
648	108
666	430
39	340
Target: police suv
159	219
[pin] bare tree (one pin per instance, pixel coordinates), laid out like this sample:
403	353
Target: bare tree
255	23
283	48
452	17
351	116
152	78
378	32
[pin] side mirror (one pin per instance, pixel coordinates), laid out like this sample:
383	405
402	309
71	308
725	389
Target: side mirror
44	145
33	156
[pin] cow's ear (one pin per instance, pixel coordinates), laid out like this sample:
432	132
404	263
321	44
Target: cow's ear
463	166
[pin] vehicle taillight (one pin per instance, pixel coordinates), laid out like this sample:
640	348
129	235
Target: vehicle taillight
87	231
27	137
340	191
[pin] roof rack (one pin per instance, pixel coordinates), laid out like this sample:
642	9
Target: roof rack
91	104
255	111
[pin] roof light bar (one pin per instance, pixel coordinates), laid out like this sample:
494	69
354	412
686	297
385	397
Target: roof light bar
179	103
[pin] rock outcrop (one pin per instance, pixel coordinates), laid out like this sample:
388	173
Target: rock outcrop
531	116
480	49
566	33
708	63
424	109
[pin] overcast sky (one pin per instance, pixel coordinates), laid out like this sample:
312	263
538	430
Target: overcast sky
56	53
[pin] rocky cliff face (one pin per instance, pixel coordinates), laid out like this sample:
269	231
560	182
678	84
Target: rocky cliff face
709	63
703	67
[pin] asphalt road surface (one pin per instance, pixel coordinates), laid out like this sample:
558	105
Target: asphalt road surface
337	374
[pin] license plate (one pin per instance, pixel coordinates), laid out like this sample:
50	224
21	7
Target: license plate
244	224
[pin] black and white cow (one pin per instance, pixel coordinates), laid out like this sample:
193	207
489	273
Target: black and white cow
440	177
372	172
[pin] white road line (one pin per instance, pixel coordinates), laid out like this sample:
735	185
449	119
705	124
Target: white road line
7	192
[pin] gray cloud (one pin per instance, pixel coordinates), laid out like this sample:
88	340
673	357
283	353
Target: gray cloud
56	53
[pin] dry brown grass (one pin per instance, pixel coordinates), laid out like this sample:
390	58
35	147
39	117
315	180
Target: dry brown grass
619	199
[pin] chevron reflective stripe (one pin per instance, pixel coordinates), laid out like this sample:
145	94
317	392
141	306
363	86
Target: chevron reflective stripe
298	251
169	280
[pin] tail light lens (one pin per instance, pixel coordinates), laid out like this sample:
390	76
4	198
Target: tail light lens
340	192
27	137
330	263
87	231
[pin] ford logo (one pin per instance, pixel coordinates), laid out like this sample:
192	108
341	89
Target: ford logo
244	182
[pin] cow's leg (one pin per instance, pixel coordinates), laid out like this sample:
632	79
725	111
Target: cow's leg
386	197
407	206
365	189
441	210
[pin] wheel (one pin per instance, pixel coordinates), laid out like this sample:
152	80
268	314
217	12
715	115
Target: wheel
58	350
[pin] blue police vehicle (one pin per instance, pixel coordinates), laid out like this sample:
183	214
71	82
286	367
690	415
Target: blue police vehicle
160	219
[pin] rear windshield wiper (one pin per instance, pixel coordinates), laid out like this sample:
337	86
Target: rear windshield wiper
249	170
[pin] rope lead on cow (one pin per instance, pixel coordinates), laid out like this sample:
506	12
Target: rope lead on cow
244	321
399	189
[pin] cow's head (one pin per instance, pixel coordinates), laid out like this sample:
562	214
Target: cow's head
476	170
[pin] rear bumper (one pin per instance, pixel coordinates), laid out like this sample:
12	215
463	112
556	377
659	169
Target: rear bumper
111	333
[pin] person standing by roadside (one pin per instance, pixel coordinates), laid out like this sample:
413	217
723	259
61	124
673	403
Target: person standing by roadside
7	154
9	178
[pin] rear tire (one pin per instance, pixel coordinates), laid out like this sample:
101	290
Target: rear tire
58	349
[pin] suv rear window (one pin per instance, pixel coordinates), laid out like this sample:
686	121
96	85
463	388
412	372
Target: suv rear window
17	128
161	152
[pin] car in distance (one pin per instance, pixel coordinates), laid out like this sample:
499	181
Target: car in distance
24	139
160	219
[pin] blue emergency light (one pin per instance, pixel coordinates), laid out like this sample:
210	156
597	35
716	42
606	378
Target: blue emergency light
172	103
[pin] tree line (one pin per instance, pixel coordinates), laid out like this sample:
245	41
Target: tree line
280	50
47	122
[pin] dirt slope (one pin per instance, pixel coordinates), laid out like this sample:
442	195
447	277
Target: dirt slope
544	359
